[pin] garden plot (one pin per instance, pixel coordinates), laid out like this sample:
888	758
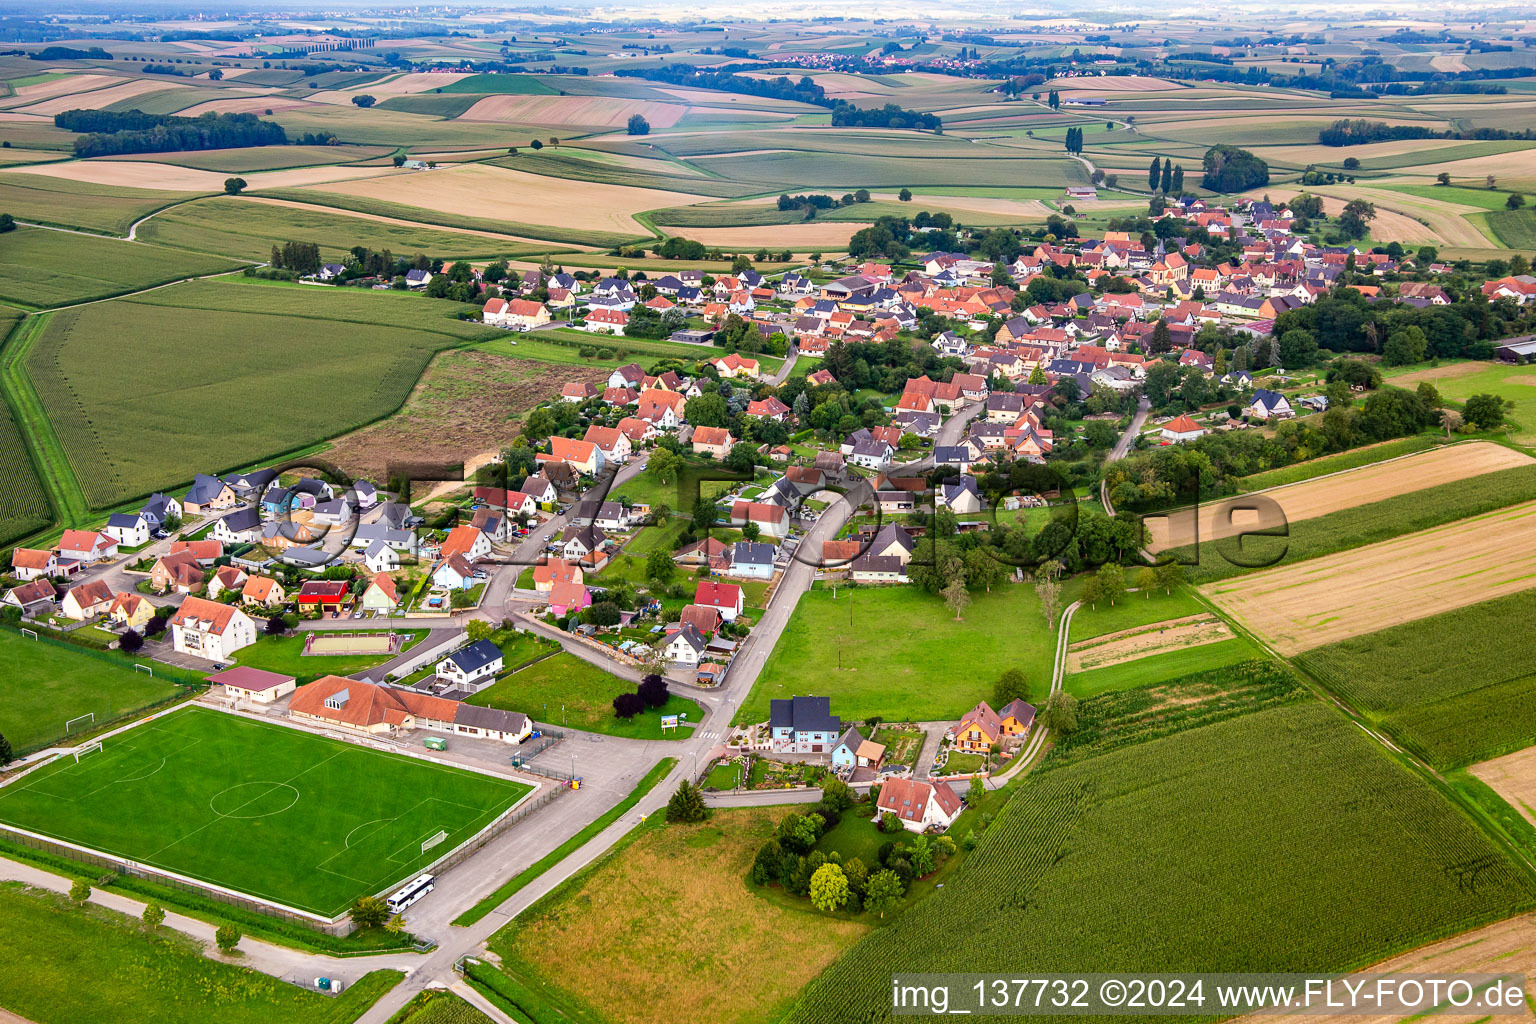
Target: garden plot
1146	641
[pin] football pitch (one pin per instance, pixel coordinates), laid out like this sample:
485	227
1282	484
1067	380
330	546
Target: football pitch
306	821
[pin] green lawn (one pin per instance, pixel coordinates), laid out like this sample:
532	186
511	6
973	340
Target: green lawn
48	945
1516	383
964	764
285	654
565	691
251	809
521	85
723	776
1159	668
1139	609
898	653
43	685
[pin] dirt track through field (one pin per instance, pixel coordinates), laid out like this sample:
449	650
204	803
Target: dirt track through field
1508	947
1349	489
1144	641
1324	600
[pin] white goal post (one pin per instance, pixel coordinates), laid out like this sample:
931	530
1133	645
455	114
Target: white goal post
86	748
141	667
89	716
29	632
427	844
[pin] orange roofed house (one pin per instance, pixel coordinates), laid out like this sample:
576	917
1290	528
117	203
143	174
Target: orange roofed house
207	629
584	456
386	711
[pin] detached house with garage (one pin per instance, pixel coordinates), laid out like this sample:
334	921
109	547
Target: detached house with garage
1268	405
86	546
208	494
128	529
209	630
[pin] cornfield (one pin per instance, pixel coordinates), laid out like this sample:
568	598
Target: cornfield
1281	839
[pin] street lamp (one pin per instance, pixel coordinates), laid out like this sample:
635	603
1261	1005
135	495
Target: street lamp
573	766
695	766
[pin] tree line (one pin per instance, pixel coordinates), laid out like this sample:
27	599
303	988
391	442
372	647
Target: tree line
844	114
133	131
1358	132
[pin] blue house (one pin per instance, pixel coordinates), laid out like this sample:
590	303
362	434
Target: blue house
803	725
845	752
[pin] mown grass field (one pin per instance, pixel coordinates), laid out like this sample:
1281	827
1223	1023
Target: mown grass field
41	267
1228	799
636	928
230	372
43	685
264	158
900	654
74	204
564	691
1160	668
266	810
249	229
1456	687
1366	524
48	943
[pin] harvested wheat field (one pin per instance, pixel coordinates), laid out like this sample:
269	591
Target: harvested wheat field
1321	601
1144	641
497	193
381	219
807	237
601	111
1506	948
670	931
97	99
407	84
1511	169
1118	83
464	405
144	174
58	87
1348	489
1513	777
1400	217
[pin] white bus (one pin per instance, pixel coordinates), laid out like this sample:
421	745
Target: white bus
413	891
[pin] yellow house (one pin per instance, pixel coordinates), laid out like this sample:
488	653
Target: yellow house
979	728
131	610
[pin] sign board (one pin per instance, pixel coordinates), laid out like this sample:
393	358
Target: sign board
668	722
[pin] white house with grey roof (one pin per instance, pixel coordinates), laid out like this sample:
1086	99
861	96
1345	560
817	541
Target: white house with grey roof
752	560
129	529
472	667
803	725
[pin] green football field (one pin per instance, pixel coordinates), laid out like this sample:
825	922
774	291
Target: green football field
306	821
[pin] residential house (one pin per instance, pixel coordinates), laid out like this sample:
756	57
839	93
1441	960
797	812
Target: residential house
242	526
577	391
686	646
583	544
978	730
845	752
322	595
705	620
263	591
871	455
207	629
30	563
204	552
453	572
176	571
127	529
86	600
714	442
737	366
960	495
803	725
752	560
567	597
159	508
771	520
32	598
130	610
1268	405
547	574
208	494
871	568
725	598
611	441
381	558
472	667
1181	429
226	577
1016	717
584	456
919	806
86	546
381	595
604	320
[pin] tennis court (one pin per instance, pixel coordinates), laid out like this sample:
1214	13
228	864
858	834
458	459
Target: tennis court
273	812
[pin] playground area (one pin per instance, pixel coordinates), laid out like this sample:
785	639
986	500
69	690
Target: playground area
353	643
